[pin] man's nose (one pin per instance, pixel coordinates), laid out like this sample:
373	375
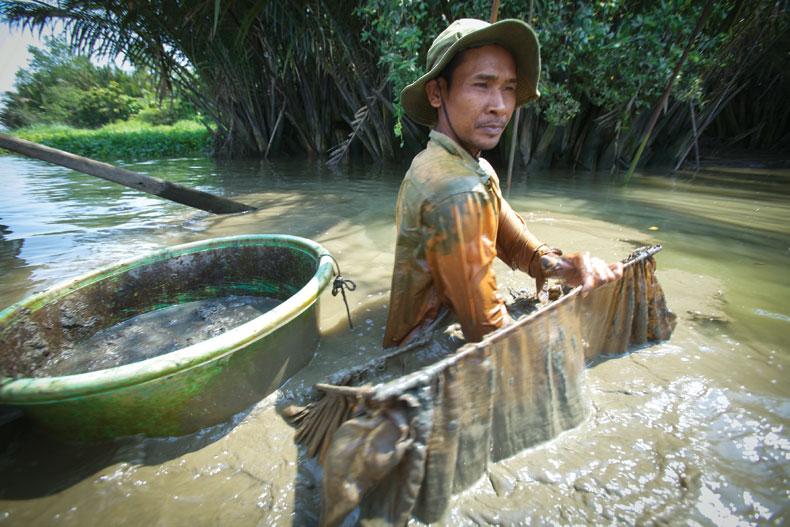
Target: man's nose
496	102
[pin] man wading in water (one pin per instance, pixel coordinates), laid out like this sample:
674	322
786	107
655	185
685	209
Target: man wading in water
452	219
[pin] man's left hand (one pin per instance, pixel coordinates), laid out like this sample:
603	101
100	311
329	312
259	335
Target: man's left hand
581	269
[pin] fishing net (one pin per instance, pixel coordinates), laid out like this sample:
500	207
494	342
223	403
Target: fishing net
401	435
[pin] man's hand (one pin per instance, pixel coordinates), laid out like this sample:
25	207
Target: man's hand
580	269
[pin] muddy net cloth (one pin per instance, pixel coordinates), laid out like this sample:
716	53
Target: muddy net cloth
402	448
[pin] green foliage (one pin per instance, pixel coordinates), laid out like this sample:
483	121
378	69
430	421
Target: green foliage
65	88
101	106
132	139
61	87
301	76
559	104
398	30
621	53
289	75
168	113
616	54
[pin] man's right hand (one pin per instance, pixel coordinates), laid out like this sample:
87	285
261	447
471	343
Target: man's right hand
580	269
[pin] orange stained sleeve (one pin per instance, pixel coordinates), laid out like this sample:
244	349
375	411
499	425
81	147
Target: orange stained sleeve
460	250
515	244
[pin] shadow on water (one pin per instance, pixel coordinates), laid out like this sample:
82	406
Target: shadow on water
9	249
34	464
16	273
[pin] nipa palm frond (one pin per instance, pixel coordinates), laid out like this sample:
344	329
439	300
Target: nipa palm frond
336	153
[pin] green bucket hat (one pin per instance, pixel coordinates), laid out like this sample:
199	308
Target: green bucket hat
514	35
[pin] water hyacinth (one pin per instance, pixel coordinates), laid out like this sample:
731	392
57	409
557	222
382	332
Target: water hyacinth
129	139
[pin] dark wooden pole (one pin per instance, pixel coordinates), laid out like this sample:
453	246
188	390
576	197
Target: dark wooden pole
158	187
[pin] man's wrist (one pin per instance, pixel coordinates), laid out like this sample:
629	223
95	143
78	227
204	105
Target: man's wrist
535	268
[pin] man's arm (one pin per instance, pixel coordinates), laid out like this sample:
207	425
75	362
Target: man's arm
521	250
460	251
518	247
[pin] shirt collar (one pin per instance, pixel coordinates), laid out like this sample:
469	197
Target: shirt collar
455	149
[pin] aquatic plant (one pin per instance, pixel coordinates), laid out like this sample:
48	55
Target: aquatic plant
131	139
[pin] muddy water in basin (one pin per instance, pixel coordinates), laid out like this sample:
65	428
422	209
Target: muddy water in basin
157	332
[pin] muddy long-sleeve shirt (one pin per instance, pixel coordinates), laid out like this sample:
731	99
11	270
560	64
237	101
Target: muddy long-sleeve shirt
452	222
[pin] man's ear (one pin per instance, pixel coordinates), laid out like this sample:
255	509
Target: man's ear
432	88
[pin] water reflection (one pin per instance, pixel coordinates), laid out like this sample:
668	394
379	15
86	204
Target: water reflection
691	432
36	465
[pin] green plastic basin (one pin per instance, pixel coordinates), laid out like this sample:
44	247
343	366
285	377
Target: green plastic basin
184	390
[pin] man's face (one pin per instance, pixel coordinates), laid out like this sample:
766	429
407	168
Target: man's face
481	97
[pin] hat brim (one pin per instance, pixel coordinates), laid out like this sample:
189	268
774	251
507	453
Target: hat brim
514	35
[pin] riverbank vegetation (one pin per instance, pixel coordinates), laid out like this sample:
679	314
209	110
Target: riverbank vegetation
65	101
62	87
132	139
323	78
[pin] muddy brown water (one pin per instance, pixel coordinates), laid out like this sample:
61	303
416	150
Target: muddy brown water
693	431
155	333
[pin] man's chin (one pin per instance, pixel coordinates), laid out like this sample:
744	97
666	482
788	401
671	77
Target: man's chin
487	145
487	141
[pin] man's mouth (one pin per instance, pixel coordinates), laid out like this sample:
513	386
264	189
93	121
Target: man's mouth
493	128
